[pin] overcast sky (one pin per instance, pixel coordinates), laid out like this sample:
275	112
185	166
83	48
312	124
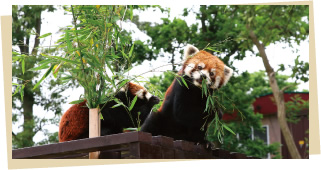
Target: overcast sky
53	21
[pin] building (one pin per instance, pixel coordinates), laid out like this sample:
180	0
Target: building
265	105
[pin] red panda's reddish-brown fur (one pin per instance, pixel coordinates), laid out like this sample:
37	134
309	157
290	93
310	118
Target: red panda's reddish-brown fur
74	123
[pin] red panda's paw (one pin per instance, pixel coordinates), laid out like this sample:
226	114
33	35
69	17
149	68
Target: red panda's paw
201	65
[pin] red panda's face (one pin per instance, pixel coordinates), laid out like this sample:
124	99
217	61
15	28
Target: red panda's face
200	65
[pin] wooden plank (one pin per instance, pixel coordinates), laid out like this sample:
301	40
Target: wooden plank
81	146
235	155
163	141
184	145
167	146
134	151
149	151
110	155
203	152
184	150
221	154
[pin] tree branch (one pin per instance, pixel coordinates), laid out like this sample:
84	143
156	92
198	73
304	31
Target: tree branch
288	86
261	49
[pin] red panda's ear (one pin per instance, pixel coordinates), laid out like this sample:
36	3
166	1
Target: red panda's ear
190	50
228	72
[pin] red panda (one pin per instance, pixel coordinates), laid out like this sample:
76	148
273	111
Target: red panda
181	114
74	123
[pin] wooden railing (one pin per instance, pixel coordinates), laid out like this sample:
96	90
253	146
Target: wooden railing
136	145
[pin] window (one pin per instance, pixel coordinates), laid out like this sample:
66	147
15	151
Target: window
263	135
256	134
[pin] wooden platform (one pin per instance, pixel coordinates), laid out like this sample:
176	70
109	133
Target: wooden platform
130	145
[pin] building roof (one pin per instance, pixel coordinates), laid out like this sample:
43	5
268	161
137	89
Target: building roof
265	104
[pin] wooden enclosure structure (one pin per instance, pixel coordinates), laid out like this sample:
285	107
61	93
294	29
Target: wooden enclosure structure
130	145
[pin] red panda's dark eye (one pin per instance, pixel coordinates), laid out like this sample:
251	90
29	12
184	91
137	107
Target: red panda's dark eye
211	74
199	67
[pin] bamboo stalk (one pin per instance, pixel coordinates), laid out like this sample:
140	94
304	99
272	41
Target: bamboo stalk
94	129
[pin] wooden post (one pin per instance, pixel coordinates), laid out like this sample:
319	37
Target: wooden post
94	129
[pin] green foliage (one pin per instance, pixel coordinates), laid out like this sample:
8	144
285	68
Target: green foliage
26	24
96	51
242	91
163	81
300	71
169	36
294	107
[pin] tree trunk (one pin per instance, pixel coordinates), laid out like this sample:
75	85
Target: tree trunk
203	18
37	41
28	119
28	97
279	99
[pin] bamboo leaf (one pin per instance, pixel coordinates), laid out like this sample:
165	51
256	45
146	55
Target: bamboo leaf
133	103
131	51
45	35
23	66
67	39
22	92
227	128
43	77
124	55
65	60
178	81
76	101
44	66
17	89
184	82
117	105
208	48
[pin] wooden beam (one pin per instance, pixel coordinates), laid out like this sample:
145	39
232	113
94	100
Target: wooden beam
81	146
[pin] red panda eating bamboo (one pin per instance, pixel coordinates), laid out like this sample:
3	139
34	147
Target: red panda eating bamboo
181	114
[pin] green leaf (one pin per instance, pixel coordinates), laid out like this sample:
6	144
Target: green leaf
67	39
23	66
76	101
131	51
101	116
124	55
227	128
65	60
44	66
184	82
45	35
109	24
133	103
131	12
207	103
117	105
178	81
43	77
208	48
22	92
17	89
